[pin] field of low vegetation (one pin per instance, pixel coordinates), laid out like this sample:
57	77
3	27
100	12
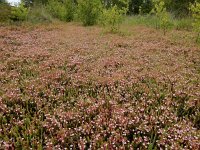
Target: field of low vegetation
95	77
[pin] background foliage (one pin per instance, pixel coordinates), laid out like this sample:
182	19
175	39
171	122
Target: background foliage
89	11
195	9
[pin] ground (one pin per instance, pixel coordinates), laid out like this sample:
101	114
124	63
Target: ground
68	86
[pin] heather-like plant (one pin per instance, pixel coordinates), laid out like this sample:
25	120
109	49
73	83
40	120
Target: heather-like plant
161	13
58	92
195	10
89	11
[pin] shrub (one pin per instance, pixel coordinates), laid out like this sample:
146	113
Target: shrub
89	11
5	11
38	14
161	13
56	9
63	10
113	16
195	10
70	10
19	13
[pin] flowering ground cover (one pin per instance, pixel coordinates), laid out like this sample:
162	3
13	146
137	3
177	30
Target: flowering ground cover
65	86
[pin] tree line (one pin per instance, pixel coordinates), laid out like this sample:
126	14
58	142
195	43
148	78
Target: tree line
179	8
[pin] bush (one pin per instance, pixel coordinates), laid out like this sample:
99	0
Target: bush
38	14
89	11
70	10
19	13
63	10
195	10
113	17
56	9
161	13
5	11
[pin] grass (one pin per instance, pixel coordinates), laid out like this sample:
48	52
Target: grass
151	21
68	86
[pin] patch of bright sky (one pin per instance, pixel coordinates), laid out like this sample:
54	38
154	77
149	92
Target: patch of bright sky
13	2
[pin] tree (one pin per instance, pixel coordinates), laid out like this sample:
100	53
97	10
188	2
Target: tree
195	10
29	3
69	10
63	10
180	8
136	5
3	1
89	11
146	6
19	13
112	17
5	10
161	13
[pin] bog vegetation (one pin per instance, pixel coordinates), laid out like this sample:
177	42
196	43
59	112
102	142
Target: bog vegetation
68	86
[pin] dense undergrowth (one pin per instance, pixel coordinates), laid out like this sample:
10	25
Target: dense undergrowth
64	86
46	104
62	113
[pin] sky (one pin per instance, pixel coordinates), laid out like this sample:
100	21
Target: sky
13	1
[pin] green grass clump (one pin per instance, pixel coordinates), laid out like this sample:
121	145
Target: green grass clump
146	20
183	24
151	21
